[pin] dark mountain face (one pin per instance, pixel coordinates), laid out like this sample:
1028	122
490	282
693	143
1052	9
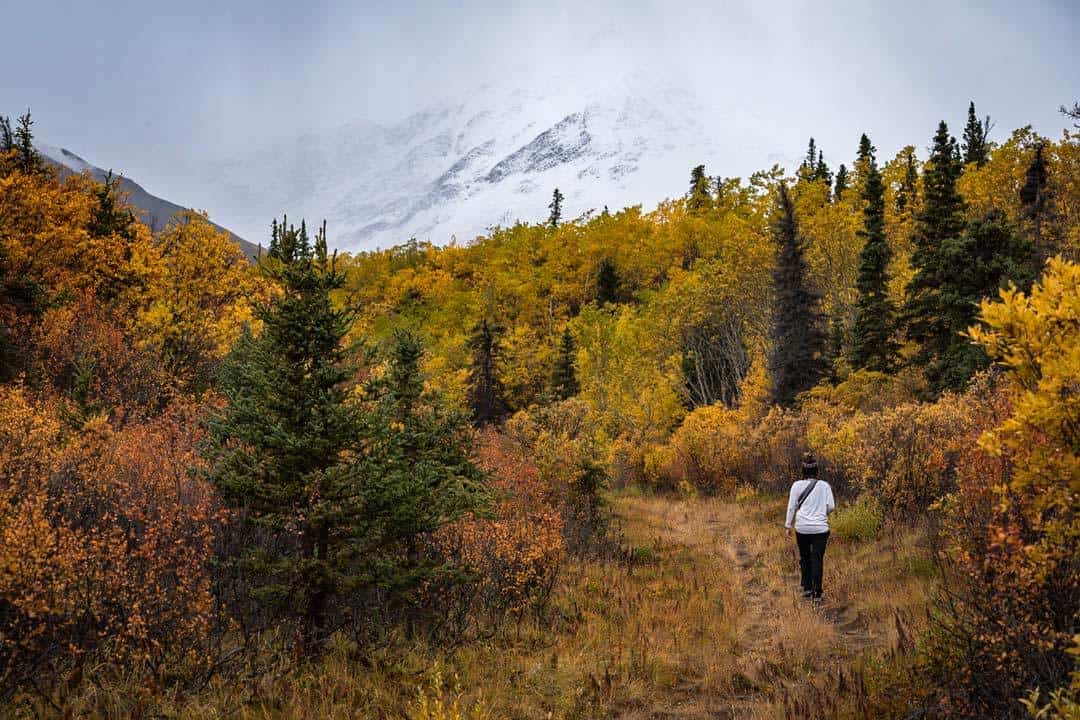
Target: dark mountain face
155	212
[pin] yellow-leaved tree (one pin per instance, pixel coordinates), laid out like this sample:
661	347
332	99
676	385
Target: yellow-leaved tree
1014	525
198	300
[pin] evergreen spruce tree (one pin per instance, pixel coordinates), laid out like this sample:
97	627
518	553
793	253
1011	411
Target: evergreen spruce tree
841	182
274	250
608	284
907	194
1033	196
115	221
700	196
280	448
821	171
27	159
797	360
320	245
976	132
303	242
942	207
7	137
865	155
107	218
556	209
873	346
940	219
486	396
985	257
331	491
866	150
564	383
418	472
957	265
809	163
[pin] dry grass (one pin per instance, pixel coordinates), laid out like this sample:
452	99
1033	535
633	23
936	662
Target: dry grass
705	624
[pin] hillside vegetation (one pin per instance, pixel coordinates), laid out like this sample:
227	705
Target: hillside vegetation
541	474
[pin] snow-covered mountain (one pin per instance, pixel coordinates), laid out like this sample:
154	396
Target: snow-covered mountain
154	211
492	158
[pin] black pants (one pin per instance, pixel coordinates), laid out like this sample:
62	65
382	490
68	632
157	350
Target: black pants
811	560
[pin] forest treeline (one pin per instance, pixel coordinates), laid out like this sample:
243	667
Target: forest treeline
211	468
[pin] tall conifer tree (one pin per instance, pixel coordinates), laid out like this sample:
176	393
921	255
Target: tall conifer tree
564	382
809	163
822	172
331	491
486	396
985	257
907	195
608	284
700	195
1033	196
976	134
863	156
841	182
798	357
873	346
556	208
940	219
956	264
20	143
107	218
28	159
286	431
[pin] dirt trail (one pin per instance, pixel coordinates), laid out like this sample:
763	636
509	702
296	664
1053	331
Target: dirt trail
776	630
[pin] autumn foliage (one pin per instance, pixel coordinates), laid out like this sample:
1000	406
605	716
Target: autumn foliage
106	536
513	556
630	351
1013	524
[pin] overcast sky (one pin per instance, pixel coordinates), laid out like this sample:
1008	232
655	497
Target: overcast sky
146	86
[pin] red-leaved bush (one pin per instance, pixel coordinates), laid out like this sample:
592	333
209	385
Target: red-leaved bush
104	543
512	556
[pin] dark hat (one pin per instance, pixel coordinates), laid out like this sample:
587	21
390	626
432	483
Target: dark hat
809	462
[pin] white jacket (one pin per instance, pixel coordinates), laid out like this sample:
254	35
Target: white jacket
813	516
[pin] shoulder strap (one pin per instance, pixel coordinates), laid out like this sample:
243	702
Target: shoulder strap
805	494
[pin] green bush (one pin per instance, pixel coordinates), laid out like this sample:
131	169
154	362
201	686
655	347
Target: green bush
860	521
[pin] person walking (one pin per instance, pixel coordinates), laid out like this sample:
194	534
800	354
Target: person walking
809	504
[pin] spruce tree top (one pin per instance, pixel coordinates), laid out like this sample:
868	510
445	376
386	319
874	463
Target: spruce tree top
1033	192
976	147
941	215
700	195
556	208
866	149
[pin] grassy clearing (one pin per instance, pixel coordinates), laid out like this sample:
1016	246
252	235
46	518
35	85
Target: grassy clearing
703	623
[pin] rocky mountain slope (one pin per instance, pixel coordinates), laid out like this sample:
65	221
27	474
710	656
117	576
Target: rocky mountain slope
492	158
155	212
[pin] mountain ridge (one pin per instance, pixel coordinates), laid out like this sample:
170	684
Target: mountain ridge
154	211
459	167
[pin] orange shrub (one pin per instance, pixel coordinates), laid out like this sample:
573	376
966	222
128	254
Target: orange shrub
91	360
513	556
906	455
1008	622
557	439
717	448
104	544
47	240
706	449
